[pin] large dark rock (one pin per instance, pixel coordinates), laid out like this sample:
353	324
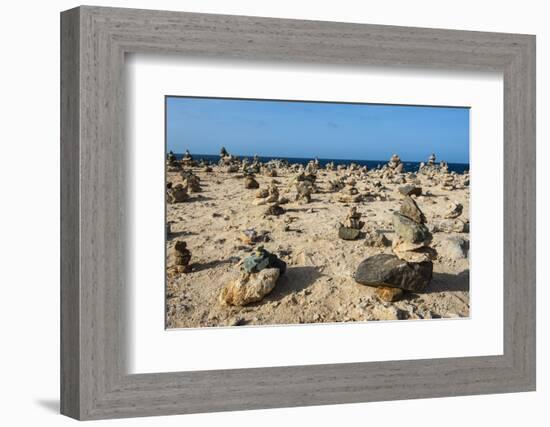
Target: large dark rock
390	271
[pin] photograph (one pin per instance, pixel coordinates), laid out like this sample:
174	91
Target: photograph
288	212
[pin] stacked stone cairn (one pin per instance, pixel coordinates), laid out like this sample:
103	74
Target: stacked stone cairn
451	222
191	182
447	181
410	267
172	165
176	193
250	236
412	236
432	168
274	209
273	199
250	182
181	256
244	165
335	185
270	171
262	193
350	194
257	277
273	193
350	229
395	164
171	158
304	189
187	159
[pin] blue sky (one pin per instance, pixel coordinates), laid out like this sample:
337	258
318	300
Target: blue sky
309	129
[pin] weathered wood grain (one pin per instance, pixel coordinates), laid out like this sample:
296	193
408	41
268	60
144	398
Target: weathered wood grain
94	270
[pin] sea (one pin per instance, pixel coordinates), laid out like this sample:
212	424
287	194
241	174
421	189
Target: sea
371	164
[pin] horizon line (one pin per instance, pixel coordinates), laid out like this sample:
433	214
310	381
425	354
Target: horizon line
321	158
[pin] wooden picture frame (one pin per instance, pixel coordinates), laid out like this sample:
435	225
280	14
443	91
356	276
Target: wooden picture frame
94	382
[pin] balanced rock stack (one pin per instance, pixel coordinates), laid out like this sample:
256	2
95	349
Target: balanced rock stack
335	185
187	159
451	222
171	158
191	182
447	182
395	164
410	267
262	193
172	164
270	171
258	277
350	229
250	183
412	236
350	194
176	193
272	193
181	257
274	209
304	189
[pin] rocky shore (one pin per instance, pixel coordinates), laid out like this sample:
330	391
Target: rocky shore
251	243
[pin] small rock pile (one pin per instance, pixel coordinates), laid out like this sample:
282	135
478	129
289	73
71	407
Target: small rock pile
171	158
350	194
250	236
181	257
274	209
176	193
258	277
191	182
250	183
395	164
454	210
304	189
187	159
350	229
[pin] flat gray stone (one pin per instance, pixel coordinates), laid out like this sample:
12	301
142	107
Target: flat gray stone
410	190
410	209
348	233
409	230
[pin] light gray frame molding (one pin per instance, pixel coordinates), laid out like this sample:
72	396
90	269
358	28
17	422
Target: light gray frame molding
94	41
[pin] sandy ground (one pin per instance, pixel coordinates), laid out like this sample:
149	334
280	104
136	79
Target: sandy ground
318	285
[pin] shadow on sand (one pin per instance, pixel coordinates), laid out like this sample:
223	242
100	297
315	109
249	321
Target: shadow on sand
175	234
306	209
198	198
211	264
443	282
294	280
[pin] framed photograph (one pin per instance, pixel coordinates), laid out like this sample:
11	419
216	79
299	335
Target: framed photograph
261	213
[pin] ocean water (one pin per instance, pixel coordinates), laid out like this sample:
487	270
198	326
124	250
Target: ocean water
371	164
